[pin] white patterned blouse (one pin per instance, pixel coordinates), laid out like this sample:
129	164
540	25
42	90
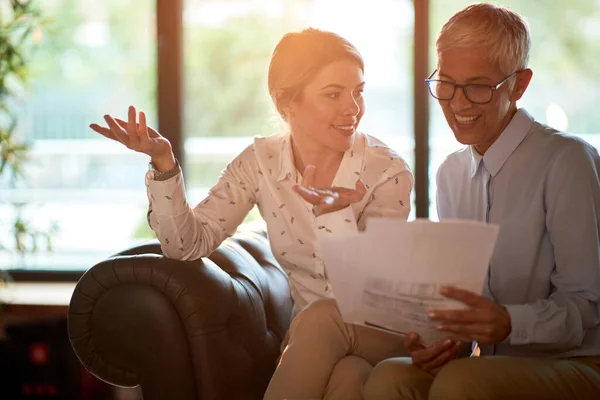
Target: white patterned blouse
263	175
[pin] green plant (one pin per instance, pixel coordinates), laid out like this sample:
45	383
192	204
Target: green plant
20	30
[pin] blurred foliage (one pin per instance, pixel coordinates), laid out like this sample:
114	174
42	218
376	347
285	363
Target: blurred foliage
226	69
99	57
21	25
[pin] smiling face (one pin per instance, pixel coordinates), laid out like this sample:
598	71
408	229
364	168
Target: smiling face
326	114
479	124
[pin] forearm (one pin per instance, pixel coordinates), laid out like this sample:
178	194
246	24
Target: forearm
187	233
171	218
557	324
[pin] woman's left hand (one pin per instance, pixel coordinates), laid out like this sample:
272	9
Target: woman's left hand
328	199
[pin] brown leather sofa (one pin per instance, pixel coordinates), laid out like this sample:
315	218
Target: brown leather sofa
204	329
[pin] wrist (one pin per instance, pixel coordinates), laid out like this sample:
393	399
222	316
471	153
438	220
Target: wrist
165	175
164	164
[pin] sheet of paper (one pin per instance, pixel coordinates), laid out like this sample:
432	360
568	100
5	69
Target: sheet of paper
389	276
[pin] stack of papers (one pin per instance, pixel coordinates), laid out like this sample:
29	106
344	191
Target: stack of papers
388	277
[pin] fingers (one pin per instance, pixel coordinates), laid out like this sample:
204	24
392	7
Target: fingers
132	134
432	357
152	133
462	316
310	195
360	189
103	131
442	358
122	124
132	127
143	130
328	197
464	296
108	133
430	353
411	342
117	131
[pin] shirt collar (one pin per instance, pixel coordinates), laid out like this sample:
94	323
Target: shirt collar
476	159
287	169
351	166
510	138
348	172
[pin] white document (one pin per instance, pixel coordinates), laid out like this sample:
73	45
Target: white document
388	277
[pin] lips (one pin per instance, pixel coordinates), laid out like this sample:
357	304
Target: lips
466	119
346	130
344	127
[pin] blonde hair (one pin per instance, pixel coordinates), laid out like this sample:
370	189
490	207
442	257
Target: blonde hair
299	56
501	31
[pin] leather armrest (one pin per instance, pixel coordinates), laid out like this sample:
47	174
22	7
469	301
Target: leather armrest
212	327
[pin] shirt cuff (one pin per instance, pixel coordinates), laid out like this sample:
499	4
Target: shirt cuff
522	319
340	222
168	196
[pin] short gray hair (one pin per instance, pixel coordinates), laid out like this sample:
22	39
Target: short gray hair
502	32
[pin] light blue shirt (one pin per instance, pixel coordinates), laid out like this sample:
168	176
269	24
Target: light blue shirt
541	187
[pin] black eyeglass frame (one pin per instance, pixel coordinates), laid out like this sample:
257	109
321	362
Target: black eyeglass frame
492	88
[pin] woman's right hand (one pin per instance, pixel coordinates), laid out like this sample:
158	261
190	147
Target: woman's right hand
330	199
138	137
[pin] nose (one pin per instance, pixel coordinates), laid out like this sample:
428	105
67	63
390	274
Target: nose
352	108
459	101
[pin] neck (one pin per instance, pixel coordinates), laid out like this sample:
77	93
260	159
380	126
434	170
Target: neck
482	148
326	161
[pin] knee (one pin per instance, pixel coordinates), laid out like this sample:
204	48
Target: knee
461	379
381	381
396	379
347	378
316	316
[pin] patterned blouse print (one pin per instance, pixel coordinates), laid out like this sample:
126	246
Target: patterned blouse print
263	174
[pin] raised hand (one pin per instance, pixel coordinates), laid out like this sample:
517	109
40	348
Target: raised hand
431	359
328	199
138	137
484	320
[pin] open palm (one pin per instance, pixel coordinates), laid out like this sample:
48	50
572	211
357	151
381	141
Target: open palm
135	136
329	199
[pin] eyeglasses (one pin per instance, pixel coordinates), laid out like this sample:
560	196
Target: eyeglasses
476	93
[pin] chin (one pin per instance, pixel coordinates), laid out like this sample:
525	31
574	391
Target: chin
345	144
468	139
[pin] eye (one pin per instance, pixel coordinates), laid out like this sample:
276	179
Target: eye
359	92
333	95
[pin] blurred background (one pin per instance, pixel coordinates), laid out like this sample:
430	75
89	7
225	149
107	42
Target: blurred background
94	58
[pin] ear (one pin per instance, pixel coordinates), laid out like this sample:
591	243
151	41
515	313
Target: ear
289	110
284	106
521	84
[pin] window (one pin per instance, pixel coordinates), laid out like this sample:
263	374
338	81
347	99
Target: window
228	45
93	58
564	58
96	58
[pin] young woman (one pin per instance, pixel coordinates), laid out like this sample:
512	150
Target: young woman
320	176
